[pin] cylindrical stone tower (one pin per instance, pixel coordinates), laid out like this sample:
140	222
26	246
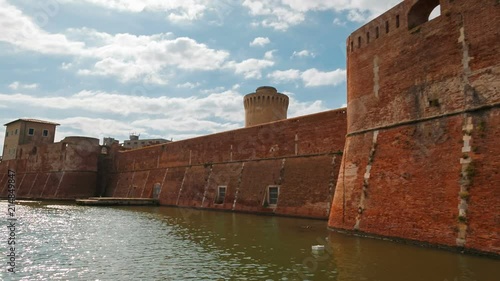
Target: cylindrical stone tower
264	106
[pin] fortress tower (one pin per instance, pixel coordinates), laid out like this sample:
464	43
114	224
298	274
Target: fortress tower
264	106
423	114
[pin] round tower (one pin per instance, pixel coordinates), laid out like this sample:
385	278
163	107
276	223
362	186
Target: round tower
264	106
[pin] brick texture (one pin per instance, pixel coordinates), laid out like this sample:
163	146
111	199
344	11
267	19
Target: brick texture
300	155
420	160
63	170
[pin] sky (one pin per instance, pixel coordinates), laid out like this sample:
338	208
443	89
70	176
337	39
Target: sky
172	69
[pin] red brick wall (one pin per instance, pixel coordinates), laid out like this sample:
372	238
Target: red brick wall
483	216
62	170
301	155
426	91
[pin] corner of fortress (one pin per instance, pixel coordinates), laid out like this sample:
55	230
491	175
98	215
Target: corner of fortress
421	160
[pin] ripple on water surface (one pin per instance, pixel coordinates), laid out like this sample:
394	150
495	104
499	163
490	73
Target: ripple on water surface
57	241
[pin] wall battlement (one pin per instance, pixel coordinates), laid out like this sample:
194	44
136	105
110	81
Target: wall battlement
432	69
406	17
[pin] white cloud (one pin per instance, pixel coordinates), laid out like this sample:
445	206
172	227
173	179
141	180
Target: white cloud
282	14
94	127
188	85
175	10
275	14
184	125
303	53
284	75
66	65
226	105
127	57
303	108
339	22
260	42
311	77
17	86
179	118
20	31
250	68
148	58
214	90
269	55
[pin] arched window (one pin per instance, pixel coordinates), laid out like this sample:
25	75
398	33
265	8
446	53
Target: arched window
421	12
435	13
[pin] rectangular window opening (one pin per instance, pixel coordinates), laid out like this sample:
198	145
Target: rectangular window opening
387	27
45	133
359	41
397	21
221	195
16	132
368	37
272	196
352	46
434	102
377	32
31	131
6	134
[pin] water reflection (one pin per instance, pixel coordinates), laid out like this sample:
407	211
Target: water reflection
67	242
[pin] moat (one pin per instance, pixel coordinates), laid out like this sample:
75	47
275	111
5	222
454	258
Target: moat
62	241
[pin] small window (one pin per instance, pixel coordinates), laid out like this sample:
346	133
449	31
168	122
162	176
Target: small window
15	132
397	21
377	32
45	133
7	134
368	37
352	46
221	195
31	131
359	41
272	196
387	27
434	102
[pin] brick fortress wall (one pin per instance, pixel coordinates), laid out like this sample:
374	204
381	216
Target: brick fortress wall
421	160
62	170
300	155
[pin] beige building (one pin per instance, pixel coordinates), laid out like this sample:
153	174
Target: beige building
264	106
26	131
134	142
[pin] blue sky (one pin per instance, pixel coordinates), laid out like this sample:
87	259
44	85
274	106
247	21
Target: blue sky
170	68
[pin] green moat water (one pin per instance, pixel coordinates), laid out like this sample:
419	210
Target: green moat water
59	241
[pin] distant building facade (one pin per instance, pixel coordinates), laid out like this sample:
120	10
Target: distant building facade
26	131
109	141
134	142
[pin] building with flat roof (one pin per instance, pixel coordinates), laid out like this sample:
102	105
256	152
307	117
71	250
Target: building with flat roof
26	131
134	142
